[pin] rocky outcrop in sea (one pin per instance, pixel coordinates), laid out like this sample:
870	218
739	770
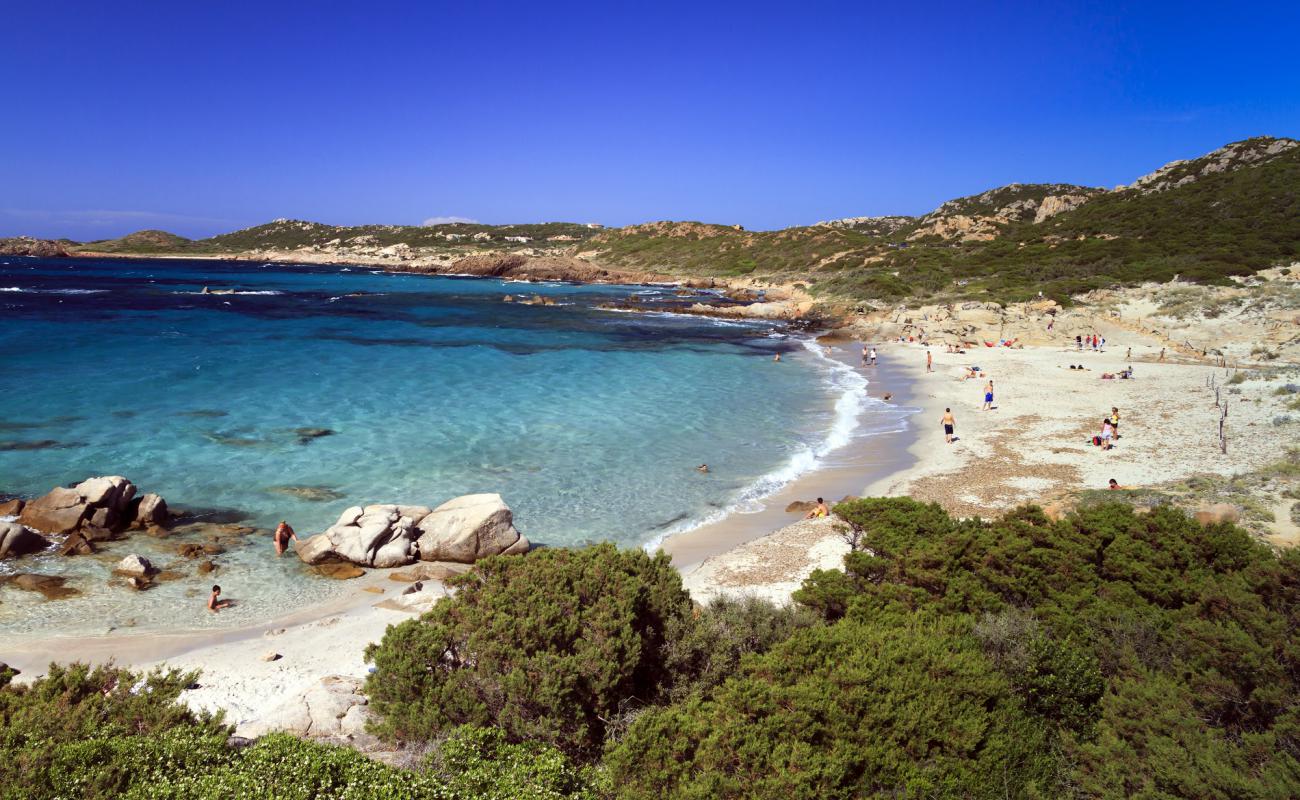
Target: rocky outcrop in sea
461	530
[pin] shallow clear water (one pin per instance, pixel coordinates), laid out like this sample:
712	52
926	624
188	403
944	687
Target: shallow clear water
588	422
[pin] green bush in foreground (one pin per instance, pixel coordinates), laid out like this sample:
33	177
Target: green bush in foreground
910	708
550	648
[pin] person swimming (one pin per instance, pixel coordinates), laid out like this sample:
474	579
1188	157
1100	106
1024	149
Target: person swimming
702	468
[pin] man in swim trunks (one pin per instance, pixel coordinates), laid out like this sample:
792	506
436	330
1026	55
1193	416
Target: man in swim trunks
820	510
283	533
988	396
949	425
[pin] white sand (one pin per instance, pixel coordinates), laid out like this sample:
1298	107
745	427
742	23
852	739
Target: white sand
1034	444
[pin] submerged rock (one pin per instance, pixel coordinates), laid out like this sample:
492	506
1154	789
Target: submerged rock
312	494
307	435
19	540
49	585
339	571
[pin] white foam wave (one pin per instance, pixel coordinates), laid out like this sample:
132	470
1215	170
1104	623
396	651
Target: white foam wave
52	291
849	405
222	292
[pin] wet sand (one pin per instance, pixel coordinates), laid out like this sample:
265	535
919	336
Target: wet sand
844	472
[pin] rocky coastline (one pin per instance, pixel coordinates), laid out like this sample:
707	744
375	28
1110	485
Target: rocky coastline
80	520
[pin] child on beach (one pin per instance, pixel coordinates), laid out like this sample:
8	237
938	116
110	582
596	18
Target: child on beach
988	396
949	425
215	603
929	362
1107	433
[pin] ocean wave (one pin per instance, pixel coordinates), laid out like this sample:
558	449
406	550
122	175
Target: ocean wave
51	291
848	409
223	292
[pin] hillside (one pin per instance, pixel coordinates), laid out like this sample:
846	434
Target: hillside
149	241
1232	212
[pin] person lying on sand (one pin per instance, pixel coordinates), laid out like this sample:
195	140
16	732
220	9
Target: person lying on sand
283	533
820	510
215	603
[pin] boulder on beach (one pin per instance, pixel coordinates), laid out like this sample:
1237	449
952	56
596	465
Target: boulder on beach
97	508
374	536
339	570
469	528
335	708
17	539
11	508
462	530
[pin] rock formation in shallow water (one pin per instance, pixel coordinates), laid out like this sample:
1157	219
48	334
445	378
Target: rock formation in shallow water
464	529
98	509
19	540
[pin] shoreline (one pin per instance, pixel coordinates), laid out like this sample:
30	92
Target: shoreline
843	471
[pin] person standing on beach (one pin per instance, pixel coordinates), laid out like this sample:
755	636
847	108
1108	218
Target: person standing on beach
1078	341
1162	354
1128	354
873	356
988	395
283	533
949	425
929	361
864	355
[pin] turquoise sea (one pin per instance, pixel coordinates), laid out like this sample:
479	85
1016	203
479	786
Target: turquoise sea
589	422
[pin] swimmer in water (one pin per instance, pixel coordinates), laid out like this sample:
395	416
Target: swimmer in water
283	533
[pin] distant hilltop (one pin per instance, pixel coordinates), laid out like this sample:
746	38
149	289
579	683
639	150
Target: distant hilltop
1232	212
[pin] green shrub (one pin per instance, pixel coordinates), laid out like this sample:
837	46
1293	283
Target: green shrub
710	650
550	648
907	707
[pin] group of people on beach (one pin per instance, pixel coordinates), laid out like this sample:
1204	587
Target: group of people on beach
284	533
1092	341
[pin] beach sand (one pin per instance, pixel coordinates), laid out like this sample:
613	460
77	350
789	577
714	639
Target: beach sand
1033	446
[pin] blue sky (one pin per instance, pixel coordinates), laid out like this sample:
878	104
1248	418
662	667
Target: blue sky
202	118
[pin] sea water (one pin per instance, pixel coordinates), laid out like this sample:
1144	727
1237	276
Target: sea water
292	392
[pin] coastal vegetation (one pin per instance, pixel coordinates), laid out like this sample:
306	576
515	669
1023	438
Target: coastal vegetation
1227	214
1115	652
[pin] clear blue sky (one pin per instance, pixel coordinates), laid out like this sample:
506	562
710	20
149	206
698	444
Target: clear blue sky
205	117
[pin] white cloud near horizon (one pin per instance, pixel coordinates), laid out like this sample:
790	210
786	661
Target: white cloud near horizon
446	221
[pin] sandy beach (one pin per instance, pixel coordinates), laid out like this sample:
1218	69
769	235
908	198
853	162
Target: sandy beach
1033	445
